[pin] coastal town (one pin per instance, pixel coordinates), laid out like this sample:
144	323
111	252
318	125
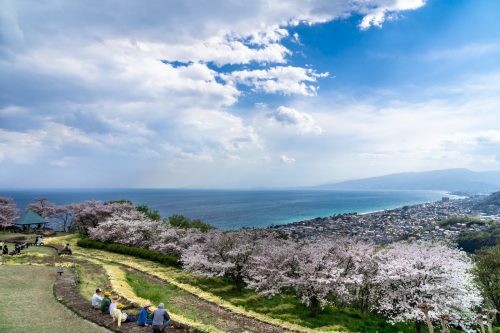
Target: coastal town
422	221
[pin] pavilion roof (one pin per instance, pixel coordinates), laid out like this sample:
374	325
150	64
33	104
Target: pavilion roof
30	217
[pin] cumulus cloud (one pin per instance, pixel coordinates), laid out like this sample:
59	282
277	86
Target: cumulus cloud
377	15
301	120
286	80
157	81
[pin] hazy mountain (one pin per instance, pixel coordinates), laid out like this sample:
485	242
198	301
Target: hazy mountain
490	205
454	180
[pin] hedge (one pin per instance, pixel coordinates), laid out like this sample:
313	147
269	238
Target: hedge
130	250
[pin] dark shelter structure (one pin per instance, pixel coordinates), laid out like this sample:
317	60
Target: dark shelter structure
30	218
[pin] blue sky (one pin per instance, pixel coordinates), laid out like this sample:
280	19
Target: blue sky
245	94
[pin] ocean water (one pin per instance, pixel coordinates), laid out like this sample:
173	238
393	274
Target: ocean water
234	209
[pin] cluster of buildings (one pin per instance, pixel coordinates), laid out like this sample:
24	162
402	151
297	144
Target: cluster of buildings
422	221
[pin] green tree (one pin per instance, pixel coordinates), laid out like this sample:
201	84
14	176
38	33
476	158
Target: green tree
487	274
153	214
179	221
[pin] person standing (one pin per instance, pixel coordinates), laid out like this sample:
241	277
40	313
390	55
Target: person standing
160	319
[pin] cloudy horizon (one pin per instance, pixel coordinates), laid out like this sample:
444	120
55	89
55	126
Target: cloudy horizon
112	94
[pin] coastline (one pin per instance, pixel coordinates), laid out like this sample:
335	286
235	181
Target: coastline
233	210
418	221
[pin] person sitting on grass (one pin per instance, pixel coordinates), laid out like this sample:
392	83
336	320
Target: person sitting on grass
160	319
66	250
120	316
106	301
97	299
145	312
114	303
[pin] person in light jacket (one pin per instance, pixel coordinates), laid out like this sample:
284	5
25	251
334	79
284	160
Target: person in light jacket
119	317
160	319
97	299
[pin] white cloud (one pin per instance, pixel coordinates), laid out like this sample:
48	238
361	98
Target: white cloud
287	160
92	84
379	11
301	120
286	80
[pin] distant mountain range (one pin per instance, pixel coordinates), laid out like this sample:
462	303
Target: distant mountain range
452	180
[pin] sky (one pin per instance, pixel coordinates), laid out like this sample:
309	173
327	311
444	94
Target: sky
242	94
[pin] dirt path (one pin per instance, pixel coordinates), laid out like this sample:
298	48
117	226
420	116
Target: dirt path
223	319
67	293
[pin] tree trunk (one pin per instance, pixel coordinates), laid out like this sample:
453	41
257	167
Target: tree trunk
238	283
418	327
444	326
428	321
314	306
480	322
490	327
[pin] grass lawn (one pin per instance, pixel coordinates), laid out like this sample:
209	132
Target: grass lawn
34	249
28	305
91	276
289	308
7	236
178	300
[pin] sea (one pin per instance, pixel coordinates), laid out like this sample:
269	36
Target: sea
236	209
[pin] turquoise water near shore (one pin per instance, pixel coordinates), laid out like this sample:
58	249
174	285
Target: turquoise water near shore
234	209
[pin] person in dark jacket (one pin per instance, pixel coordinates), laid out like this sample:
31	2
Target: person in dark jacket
106	301
160	319
143	319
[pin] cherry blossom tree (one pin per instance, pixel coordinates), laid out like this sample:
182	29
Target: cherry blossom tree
425	273
224	254
8	212
43	207
128	227
64	215
90	213
319	271
175	241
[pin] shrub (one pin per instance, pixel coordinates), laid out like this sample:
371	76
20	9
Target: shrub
130	250
179	221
